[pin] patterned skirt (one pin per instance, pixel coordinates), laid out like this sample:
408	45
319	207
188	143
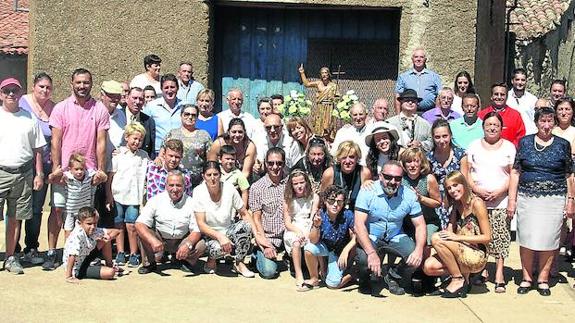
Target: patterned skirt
500	233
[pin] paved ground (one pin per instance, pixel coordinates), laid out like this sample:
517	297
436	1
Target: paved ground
176	296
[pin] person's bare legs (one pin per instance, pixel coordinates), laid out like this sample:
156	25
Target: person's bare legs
311	262
12	233
132	238
296	258
55	223
446	251
433	267
120	238
526	266
545	262
499	265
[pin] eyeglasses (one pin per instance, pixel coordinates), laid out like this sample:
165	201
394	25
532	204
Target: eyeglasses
388	177
189	115
317	141
11	90
269	127
332	201
275	163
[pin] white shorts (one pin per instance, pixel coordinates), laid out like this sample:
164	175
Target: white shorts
69	221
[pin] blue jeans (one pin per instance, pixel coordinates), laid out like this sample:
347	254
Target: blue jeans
334	273
126	213
401	245
267	268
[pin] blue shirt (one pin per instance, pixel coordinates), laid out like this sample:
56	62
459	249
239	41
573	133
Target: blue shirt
385	214
164	119
464	134
335	235
187	93
426	83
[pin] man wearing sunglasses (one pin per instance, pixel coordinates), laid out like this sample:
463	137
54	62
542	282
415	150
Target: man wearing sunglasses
379	215
21	142
266	198
275	137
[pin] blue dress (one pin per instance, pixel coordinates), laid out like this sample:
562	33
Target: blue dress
210	125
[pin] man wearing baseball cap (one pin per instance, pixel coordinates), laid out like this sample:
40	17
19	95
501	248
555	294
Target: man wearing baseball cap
21	140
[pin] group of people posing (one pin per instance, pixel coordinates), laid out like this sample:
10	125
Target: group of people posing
417	201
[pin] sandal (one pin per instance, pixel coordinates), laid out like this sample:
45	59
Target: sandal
524	289
543	291
500	288
306	287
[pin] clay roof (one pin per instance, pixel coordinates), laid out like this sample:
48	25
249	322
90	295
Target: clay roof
13	28
534	18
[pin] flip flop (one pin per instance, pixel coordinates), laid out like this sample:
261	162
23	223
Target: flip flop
306	287
500	288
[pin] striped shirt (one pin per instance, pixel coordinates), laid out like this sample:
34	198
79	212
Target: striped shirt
79	193
267	197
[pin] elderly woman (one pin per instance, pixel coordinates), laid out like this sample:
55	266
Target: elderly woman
445	158
461	247
207	120
215	208
541	191
245	148
39	103
196	142
347	172
490	161
315	161
383	146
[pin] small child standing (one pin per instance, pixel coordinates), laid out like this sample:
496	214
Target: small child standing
86	243
230	172
125	190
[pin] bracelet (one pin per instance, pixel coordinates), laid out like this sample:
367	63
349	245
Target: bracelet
40	174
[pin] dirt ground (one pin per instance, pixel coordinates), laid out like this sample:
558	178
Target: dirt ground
177	296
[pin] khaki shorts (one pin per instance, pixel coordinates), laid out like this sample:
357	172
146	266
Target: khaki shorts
16	192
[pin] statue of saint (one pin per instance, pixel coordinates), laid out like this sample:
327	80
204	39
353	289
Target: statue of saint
326	97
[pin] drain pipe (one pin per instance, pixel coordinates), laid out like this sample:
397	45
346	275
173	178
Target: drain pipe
507	36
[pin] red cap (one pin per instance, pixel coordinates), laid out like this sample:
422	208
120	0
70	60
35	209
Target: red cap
10	81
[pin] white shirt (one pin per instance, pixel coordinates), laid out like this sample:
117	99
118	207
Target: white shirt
290	147
526	107
118	122
349	132
20	134
219	215
129	176
247	118
172	221
456	105
142	80
80	244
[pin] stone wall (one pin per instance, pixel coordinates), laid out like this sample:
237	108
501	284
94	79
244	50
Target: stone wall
111	37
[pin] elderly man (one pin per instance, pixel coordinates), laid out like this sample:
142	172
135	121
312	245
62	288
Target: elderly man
133	112
110	96
124	97
152	65
513	127
168	224
379	110
165	111
355	132
21	142
424	81
71	133
266	200
379	216
521	100
414	130
156	175
443	109
235	99
275	137
469	127
188	87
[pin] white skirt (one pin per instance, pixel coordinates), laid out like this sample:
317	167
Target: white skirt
539	221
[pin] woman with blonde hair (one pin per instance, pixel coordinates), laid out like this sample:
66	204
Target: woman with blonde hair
207	119
462	247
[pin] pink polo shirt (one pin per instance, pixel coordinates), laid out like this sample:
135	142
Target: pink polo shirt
80	126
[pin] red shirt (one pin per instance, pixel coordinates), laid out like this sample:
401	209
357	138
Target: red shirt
513	127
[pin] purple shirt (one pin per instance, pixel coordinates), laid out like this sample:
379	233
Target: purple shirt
80	126
435	114
156	177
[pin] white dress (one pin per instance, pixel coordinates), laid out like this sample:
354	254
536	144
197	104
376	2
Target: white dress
301	218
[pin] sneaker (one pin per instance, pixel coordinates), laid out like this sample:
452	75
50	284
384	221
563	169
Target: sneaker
13	265
51	261
121	259
96	262
393	286
147	269
32	257
134	261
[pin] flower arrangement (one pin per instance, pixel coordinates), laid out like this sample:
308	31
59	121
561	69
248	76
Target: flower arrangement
342	108
295	105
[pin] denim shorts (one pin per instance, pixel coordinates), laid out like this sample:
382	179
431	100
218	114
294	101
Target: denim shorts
334	273
126	213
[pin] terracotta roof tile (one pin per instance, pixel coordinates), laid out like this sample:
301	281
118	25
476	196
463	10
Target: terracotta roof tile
535	18
13	28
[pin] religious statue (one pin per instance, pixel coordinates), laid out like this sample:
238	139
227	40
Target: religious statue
326	97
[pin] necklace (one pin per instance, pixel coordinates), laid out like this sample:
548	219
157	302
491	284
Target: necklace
535	144
38	109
